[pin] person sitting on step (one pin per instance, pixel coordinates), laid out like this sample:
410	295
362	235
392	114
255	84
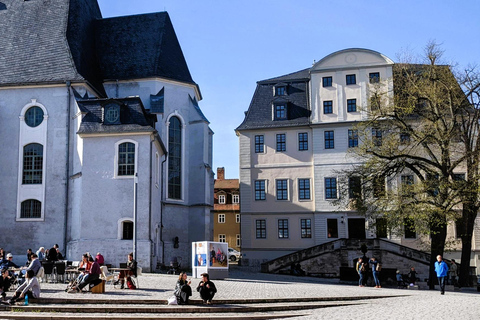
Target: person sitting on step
30	288
206	288
182	289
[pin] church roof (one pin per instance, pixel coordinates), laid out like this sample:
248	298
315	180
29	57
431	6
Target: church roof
70	41
33	47
134	118
140	46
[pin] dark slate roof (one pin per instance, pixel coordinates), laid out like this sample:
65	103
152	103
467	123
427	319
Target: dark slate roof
69	41
298	75
33	47
197	108
134	117
140	46
260	112
81	38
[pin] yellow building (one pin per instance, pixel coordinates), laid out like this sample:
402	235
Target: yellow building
226	210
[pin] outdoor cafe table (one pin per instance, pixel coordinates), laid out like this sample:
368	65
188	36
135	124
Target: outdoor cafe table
72	273
119	270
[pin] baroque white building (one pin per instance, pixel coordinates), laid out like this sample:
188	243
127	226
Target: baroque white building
99	119
294	144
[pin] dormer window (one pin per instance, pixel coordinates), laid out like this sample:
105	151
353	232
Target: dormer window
280	89
280	111
111	113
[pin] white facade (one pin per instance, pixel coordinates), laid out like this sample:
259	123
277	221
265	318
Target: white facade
62	179
335	106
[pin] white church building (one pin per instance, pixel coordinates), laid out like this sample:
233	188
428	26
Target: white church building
103	138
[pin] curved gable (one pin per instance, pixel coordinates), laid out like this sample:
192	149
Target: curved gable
352	58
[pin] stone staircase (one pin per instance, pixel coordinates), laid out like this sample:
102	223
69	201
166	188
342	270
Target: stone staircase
328	258
113	309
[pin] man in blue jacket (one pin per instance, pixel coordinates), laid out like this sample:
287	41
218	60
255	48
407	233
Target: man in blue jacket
441	269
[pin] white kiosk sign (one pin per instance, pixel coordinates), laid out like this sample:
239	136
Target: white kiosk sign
210	257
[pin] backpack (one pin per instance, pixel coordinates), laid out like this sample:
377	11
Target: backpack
362	268
130	283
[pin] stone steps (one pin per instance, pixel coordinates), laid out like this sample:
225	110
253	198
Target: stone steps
73	309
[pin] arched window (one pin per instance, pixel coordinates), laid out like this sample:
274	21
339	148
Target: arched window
32	164
126	159
34	116
31	209
175	158
127	233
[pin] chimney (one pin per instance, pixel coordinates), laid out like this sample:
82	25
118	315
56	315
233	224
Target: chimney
221	173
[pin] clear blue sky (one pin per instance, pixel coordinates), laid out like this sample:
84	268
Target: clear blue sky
229	45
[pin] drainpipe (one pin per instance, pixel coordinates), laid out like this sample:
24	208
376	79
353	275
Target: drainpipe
67	166
150	204
161	211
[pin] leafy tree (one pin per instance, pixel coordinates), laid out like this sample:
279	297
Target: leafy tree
414	142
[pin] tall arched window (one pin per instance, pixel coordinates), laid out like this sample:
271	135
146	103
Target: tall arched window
175	158
126	159
32	164
31	209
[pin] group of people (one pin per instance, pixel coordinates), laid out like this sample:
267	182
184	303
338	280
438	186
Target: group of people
410	279
90	272
52	254
183	290
362	268
29	287
441	269
25	275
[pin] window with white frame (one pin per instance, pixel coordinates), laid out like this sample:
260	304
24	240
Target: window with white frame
260	193
236	198
283	228
261	229
126	159
302	141
237	218
306	228
304	189
222	238
221	218
221	199
259	144
31	208
32	164
175	158
281	142
238	242
330	188
282	189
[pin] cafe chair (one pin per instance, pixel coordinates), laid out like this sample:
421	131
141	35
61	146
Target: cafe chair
60	268
48	270
107	276
40	274
139	273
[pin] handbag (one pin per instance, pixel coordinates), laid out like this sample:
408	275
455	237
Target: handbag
172	300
